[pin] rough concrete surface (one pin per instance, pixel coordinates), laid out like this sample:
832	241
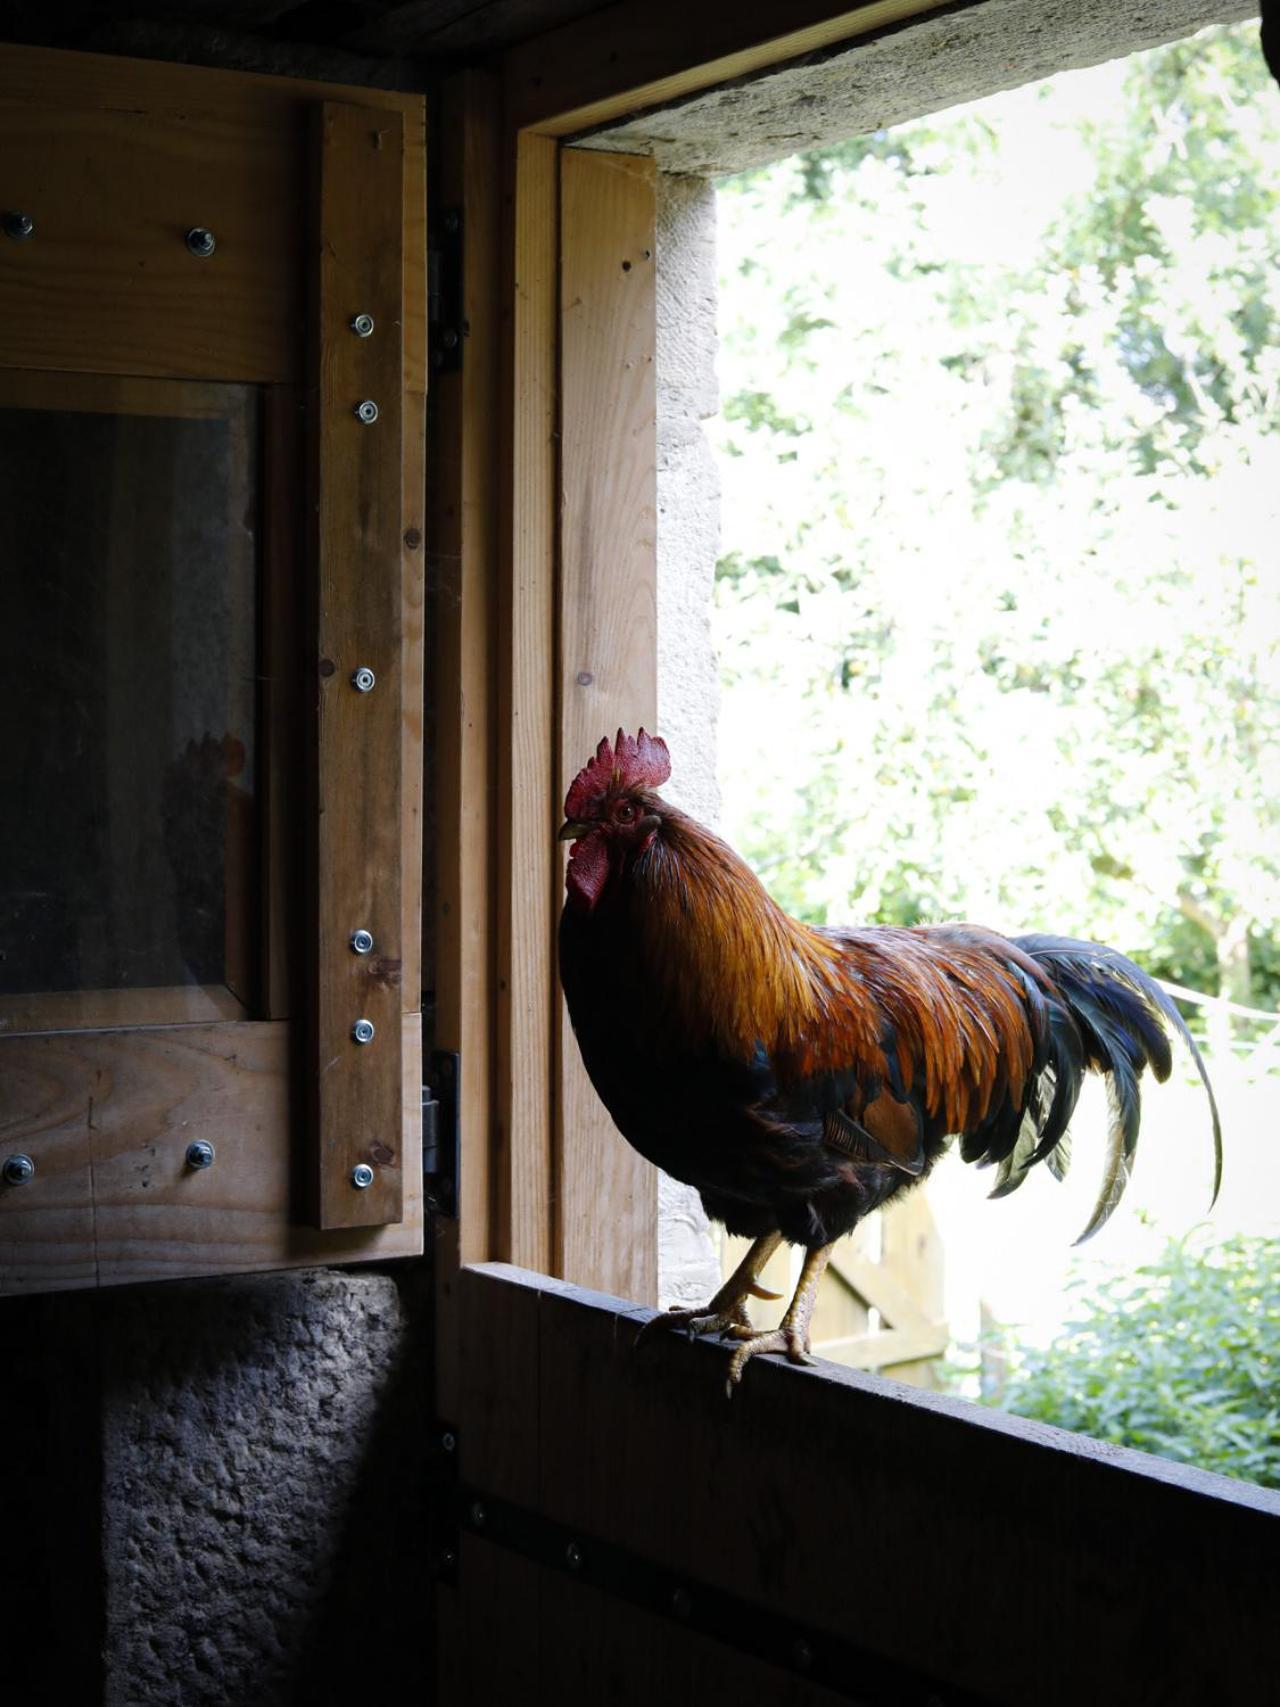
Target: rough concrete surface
937	62
688	544
262	1505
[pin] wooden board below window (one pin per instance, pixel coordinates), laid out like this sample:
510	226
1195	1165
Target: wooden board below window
107	1118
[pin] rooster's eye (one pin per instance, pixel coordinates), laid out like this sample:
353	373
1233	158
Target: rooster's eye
626	813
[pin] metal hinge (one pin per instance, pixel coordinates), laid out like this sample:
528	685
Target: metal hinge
446	326
441	1128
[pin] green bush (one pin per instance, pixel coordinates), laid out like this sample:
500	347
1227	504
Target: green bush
1178	1358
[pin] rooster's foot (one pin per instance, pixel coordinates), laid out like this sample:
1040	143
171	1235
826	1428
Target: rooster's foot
793	1341
727	1311
791	1336
732	1321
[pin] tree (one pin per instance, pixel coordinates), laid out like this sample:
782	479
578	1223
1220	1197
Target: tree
998	607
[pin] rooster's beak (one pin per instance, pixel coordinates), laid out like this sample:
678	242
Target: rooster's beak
570	831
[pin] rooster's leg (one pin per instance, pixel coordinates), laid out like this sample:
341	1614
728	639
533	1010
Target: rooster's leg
792	1333
727	1311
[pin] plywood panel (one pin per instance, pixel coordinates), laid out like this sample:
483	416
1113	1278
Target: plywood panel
108	1116
359	570
607	1195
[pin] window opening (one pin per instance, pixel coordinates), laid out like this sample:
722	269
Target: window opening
999	626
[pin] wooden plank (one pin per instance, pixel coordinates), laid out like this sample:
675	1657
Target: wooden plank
107	283
96	1010
864	1506
528	861
107	1118
462	530
281	613
607	1195
912	1255
413	555
650	53
359	571
118	394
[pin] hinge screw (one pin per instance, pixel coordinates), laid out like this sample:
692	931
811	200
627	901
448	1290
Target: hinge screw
200	1154
362	1031
362	1176
478	1515
19	226
449	337
573	1556
362	325
448	1441
361	942
201	242
367	411
18	1169
362	680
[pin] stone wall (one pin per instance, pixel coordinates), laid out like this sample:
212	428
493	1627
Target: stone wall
215	1493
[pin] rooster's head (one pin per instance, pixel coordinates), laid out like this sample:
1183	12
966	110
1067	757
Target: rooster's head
611	815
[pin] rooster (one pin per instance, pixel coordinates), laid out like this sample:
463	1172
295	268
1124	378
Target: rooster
802	1077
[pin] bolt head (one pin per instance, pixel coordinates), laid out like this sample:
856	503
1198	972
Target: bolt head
361	942
18	1169
573	1556
448	1441
201	242
19	226
200	1154
451	221
362	1031
478	1515
367	411
362	680
362	325
362	1176
449	337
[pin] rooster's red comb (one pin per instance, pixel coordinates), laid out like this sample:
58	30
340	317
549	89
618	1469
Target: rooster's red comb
639	761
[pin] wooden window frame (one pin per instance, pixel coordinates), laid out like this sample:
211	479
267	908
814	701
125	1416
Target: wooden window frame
548	578
546	621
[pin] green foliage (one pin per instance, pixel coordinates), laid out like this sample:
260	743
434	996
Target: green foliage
1180	1358
998	616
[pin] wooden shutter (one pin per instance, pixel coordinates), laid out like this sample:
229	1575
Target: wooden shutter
117	309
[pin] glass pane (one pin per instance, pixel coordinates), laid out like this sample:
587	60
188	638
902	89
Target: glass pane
128	690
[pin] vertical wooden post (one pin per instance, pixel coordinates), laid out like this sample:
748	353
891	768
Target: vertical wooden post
607	1224
528	862
463	539
357	403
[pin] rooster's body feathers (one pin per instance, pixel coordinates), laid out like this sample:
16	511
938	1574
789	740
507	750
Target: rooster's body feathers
800	1077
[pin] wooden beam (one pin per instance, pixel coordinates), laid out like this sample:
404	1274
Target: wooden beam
528	862
607	1195
108	1117
359	574
462	535
649	53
